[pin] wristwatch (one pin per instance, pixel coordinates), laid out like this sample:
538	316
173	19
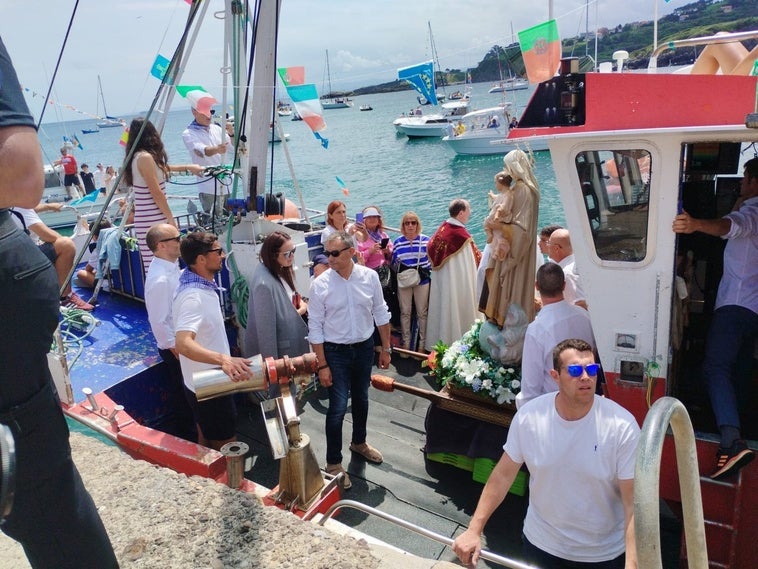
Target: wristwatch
388	350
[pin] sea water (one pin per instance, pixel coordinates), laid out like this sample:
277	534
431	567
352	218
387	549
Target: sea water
377	165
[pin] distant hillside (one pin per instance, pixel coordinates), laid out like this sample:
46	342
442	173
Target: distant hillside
701	18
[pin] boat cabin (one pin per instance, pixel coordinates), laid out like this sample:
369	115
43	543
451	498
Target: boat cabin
629	154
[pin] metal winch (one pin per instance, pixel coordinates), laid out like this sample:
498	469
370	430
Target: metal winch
300	479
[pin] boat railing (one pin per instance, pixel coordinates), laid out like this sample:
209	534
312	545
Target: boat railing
443	539
702	40
664	412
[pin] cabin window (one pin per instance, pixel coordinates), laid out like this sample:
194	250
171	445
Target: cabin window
615	186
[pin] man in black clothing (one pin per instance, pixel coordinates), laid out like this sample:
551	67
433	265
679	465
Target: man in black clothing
53	516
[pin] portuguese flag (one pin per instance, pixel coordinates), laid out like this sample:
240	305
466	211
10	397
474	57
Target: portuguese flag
541	50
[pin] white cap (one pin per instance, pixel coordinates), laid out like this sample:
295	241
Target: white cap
371	212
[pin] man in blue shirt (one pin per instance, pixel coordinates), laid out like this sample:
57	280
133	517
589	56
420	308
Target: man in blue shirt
734	328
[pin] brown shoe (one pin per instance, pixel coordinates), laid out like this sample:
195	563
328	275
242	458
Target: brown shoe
368	452
334	470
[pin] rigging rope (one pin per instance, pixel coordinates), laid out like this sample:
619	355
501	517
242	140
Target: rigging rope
58	63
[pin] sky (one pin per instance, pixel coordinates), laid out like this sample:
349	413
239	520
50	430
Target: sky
367	41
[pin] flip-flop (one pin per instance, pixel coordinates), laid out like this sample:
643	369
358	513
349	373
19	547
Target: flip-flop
368	452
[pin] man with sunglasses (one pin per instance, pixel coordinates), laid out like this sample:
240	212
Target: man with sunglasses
161	283
345	303
580	450
201	337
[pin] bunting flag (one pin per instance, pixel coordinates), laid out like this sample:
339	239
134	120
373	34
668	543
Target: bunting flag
73	141
198	98
345	189
305	99
541	50
124	137
160	66
421	77
292	75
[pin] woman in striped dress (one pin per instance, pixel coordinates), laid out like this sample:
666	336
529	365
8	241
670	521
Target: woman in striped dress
146	173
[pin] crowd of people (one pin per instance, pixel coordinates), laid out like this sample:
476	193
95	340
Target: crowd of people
431	288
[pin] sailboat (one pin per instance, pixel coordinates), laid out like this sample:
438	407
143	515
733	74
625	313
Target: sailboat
328	101
108	121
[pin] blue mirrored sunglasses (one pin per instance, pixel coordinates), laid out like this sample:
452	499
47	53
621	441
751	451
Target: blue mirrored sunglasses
575	370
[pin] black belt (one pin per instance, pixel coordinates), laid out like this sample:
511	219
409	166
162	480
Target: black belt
346	346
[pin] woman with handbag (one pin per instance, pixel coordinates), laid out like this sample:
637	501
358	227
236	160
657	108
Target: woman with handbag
413	276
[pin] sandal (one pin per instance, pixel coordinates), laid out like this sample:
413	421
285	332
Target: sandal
334	470
368	452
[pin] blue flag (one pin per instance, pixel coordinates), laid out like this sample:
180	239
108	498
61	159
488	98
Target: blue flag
421	77
160	66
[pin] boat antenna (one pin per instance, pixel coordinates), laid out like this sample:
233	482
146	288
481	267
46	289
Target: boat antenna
58	64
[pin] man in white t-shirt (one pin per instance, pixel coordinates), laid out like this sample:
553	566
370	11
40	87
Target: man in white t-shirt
556	321
201	337
580	450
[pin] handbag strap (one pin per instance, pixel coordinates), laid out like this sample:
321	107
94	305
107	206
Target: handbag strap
418	256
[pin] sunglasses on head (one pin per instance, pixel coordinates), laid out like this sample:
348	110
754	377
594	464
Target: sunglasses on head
575	370
335	253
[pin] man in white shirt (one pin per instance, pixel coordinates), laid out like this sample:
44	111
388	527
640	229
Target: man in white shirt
557	321
559	249
59	249
580	449
99	174
207	146
161	283
201	337
345	302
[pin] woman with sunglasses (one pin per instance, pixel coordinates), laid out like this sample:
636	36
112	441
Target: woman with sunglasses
409	253
147	171
275	313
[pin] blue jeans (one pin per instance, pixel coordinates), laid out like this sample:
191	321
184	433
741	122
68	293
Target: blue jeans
350	365
729	359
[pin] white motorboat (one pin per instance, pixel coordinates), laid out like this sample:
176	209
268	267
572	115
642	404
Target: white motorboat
481	131
432	125
512	84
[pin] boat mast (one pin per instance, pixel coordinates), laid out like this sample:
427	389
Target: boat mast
102	97
328	76
436	60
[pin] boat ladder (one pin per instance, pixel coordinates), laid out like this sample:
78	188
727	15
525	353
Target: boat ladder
664	412
486	555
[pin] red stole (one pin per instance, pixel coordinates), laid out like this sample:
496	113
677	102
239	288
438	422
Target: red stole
446	242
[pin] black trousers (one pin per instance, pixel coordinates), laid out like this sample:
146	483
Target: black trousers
53	516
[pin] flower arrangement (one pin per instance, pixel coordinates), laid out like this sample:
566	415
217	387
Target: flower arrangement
465	364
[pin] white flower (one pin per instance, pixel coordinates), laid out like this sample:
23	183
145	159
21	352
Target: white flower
515	384
506	395
487	384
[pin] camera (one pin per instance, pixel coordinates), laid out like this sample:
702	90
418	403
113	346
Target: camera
7	471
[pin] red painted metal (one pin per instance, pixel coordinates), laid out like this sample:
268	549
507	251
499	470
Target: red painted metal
629	101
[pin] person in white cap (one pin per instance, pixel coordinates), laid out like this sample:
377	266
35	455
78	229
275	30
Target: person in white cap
207	145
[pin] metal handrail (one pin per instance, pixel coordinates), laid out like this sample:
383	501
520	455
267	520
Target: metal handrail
484	554
702	40
664	412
